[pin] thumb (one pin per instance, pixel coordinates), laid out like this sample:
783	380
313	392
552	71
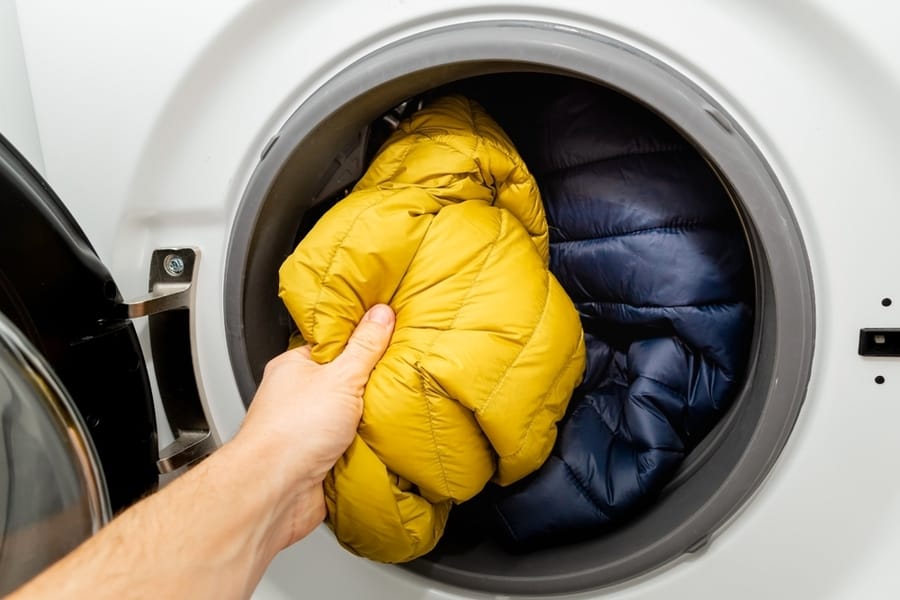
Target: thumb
368	342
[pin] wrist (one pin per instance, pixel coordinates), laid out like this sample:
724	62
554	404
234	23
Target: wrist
289	495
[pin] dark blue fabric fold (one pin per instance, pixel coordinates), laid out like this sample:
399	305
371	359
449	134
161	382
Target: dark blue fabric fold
646	241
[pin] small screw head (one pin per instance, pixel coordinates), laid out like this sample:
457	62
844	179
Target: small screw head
173	265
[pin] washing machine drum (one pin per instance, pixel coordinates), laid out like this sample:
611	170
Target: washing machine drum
645	241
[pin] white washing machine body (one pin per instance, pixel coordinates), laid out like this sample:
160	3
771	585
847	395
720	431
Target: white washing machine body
152	122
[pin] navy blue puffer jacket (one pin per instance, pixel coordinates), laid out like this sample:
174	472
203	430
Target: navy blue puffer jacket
647	244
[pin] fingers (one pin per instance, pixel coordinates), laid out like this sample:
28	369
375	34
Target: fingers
368	342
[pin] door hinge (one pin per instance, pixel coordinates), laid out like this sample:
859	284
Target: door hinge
169	307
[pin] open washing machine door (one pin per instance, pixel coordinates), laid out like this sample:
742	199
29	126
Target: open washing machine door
78	437
52	492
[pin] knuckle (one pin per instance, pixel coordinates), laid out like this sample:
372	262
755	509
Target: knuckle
295	356
273	364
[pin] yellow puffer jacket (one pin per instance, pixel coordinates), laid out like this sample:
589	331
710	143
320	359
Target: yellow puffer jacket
446	227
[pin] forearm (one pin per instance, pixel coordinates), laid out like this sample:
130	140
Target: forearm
209	534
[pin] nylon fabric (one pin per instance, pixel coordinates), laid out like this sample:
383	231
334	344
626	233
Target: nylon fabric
447	227
646	241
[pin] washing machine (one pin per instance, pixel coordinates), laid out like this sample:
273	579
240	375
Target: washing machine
190	140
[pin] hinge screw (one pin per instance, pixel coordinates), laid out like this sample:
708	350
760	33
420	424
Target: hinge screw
173	265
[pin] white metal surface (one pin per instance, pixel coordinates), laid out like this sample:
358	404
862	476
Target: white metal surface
151	120
17	121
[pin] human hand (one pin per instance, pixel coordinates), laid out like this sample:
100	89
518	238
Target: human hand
304	416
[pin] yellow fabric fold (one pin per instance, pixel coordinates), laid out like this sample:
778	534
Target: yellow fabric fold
447	227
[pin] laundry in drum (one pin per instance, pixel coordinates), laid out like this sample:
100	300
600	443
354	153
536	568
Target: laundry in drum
644	240
446	226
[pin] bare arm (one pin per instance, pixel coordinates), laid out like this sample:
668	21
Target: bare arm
213	531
